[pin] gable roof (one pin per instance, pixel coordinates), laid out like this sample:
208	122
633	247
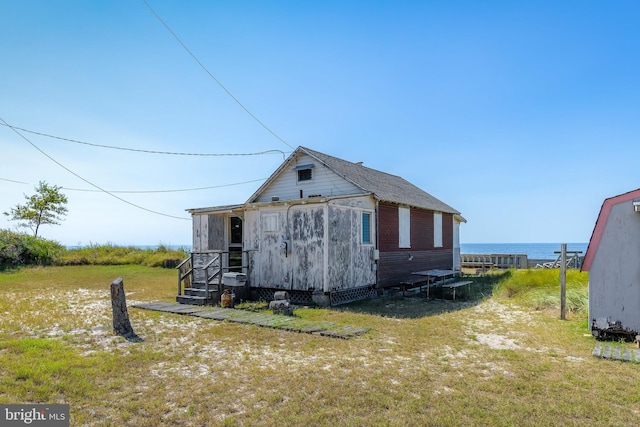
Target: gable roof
601	223
385	187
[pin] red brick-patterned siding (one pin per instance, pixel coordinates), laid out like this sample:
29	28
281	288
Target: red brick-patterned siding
396	263
447	231
388	235
393	267
421	229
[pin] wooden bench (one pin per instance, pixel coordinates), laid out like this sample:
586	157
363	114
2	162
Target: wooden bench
455	285
412	282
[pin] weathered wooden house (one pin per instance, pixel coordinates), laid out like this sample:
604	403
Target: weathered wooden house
326	230
612	260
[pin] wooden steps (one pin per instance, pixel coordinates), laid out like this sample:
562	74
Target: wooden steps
197	294
192	299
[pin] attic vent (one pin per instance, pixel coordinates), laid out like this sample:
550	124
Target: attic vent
304	175
359	163
636	205
304	172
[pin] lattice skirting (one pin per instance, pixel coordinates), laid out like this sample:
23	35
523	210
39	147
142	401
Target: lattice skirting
297	297
344	296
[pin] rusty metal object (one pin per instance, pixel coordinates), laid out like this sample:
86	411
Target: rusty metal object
613	332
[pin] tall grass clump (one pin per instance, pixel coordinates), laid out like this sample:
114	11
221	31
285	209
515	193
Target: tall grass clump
540	289
19	249
109	254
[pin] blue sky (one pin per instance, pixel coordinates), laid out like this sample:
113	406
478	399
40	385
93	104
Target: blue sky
521	115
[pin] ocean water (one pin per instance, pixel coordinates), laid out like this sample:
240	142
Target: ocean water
532	250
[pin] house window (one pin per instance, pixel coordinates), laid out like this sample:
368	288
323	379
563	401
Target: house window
404	227
304	172
271	222
366	227
437	229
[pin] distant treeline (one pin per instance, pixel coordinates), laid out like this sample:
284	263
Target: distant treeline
20	249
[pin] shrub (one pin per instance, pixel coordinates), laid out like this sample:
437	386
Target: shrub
540	289
17	249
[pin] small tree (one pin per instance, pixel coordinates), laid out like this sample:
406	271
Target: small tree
45	207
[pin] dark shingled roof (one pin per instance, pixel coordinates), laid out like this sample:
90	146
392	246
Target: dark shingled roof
386	187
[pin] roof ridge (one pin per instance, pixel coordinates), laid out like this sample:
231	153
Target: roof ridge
355	164
383	185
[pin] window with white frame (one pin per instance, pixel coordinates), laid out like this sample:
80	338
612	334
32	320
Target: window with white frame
404	227
437	229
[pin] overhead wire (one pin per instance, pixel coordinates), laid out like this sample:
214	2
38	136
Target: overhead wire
113	147
149	191
86	180
170	191
13	180
195	58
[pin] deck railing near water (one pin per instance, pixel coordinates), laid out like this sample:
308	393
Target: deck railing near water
487	261
574	259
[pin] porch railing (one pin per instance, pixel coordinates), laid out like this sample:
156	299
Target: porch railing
185	270
215	264
204	267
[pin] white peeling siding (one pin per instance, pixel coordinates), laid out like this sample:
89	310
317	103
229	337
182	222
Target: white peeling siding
350	261
325	250
273	263
200	232
308	245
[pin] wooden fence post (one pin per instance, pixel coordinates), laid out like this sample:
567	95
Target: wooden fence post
563	281
121	323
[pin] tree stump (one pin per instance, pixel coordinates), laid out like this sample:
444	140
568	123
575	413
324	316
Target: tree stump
121	323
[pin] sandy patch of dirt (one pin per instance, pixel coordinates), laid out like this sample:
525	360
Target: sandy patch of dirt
497	342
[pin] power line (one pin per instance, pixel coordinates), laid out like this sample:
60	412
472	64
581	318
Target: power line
149	191
214	78
169	191
12	180
113	147
87	181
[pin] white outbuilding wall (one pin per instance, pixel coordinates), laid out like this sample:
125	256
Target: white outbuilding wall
614	271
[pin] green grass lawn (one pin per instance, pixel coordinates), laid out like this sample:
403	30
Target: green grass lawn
496	361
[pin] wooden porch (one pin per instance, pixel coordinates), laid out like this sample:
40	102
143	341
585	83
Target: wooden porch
200	276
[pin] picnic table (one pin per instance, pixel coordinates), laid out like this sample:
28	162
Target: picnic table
439	277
